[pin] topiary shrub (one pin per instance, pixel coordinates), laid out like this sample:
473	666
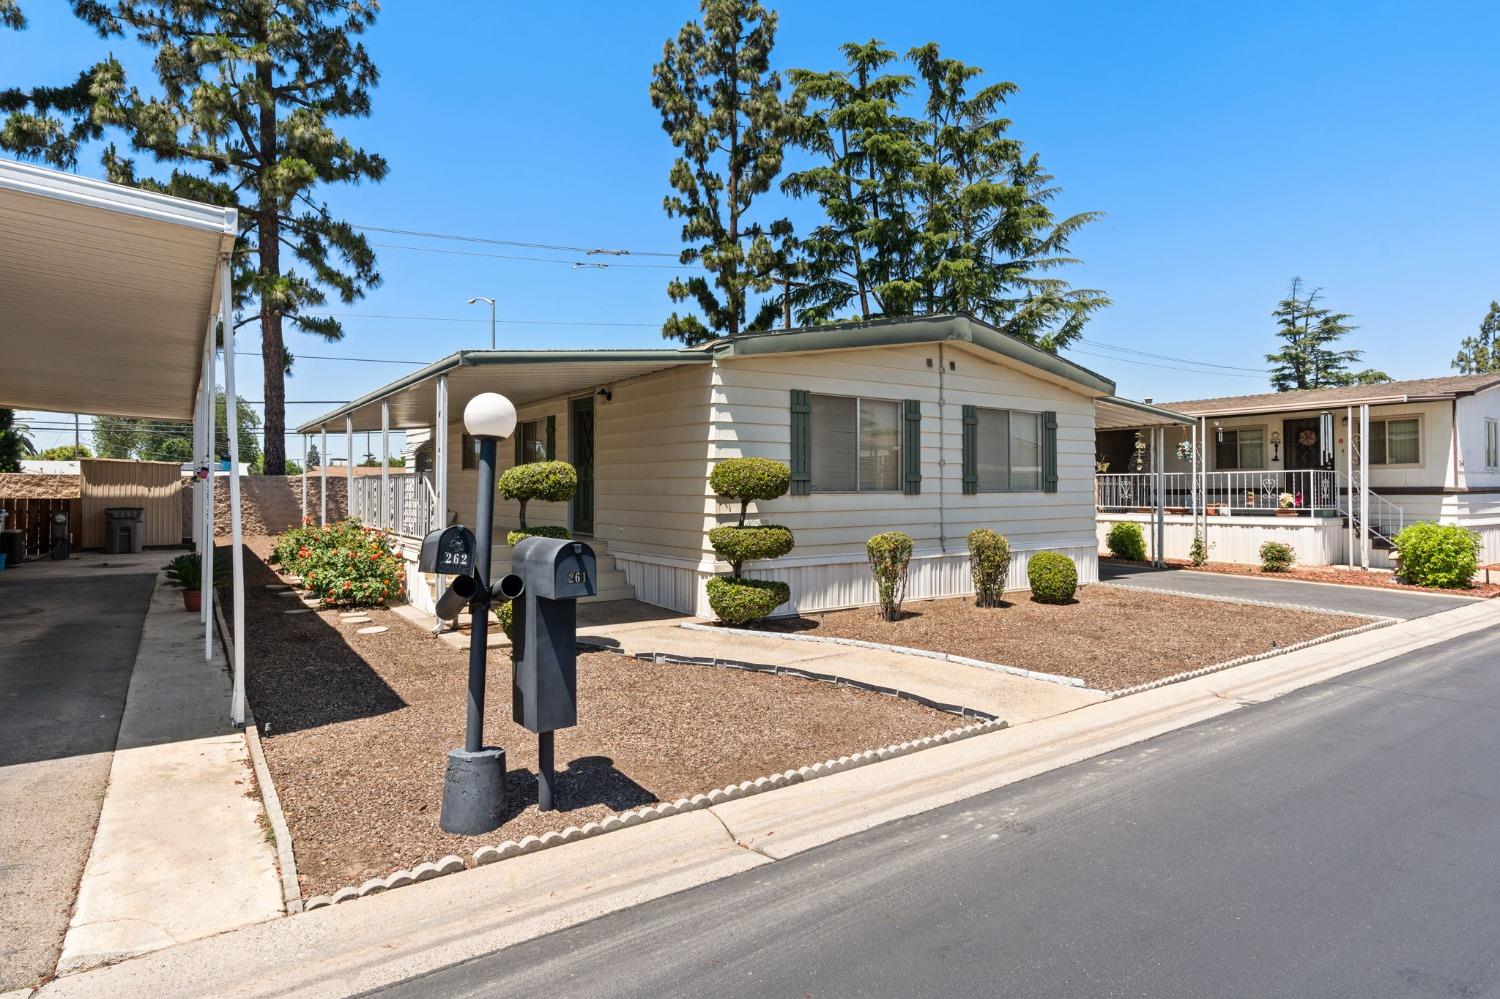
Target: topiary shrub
989	564
740	601
1276	557
548	481
516	537
1126	540
747	479
737	545
1439	555
890	557
1053	577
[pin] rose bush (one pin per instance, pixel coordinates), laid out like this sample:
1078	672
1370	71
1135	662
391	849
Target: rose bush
344	564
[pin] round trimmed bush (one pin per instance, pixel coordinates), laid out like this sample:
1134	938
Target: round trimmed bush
1053	577
740	601
1126	540
890	557
548	481
989	564
505	615
1276	557
1439	555
747	479
514	538
749	544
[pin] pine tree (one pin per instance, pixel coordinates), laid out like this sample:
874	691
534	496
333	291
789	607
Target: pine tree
1480	354
247	93
1307	359
720	103
314	458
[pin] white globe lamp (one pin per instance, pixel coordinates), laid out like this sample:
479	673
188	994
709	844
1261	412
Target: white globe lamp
490	414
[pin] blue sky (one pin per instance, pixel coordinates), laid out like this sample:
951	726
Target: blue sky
1231	146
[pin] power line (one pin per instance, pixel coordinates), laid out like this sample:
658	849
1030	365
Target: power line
575	264
592	251
503	322
1168	367
1168	357
333	357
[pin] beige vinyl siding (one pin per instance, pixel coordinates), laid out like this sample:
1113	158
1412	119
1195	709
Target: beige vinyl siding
751	418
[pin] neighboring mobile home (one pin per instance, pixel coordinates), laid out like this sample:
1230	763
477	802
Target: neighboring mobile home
933	426
1433	454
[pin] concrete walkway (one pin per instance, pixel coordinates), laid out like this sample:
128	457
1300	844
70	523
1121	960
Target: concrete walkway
361	945
68	637
1401	604
180	851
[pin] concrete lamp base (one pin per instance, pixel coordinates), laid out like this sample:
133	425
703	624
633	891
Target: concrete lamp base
473	792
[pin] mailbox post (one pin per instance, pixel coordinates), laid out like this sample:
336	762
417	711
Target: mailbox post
544	678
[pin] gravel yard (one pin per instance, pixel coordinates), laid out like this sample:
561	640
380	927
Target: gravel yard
1111	637
357	727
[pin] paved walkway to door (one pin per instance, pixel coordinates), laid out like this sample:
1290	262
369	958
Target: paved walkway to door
68	638
1401	604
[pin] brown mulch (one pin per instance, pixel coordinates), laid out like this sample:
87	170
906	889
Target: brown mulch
355	728
1328	574
1109	636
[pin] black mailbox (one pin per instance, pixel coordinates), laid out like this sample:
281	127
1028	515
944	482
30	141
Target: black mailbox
448	550
544	685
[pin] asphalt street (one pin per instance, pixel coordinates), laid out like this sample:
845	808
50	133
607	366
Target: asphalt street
1342	841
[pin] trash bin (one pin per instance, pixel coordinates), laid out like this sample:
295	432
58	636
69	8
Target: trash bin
13	547
123	530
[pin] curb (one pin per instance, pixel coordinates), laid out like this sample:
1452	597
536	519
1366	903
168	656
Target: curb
286	860
485	855
1030	674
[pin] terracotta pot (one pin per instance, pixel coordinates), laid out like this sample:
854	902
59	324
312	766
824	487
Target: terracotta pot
1212	510
1286	513
192	599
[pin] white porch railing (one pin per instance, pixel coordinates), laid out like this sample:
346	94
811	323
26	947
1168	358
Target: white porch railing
408	507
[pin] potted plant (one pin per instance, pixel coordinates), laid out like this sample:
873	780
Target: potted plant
1286	505
186	571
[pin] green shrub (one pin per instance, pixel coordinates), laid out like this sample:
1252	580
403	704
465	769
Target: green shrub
737	545
740	601
548	481
505	615
890	557
1198	550
359	570
1053	577
1126	540
296	549
989	564
1441	555
516	537
1276	557
747	479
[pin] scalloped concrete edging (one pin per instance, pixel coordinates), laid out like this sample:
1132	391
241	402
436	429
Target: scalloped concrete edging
1030	674
624	820
1384	622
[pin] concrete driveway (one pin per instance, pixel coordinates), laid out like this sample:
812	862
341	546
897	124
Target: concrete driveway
1401	604
68	638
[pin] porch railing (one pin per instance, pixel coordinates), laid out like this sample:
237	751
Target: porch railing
1303	491
408	507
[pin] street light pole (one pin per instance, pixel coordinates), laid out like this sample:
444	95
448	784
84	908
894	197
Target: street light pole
491	301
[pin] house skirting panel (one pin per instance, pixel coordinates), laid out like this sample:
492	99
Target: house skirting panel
1315	540
825	584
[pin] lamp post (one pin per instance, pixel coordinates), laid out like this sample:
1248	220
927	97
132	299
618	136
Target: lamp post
474	784
491	301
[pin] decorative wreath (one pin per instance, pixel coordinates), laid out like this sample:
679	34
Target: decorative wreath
1307	438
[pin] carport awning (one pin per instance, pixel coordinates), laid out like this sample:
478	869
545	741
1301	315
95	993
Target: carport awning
1115	413
105	294
522	376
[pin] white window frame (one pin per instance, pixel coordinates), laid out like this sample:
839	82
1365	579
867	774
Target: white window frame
1492	443
1399	418
1239	464
1010	465
859	486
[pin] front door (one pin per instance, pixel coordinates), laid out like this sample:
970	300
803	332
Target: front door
581	450
1303	449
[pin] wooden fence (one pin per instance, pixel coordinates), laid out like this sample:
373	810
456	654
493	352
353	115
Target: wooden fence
33	518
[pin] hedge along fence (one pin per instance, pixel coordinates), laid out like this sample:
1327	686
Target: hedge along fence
734	599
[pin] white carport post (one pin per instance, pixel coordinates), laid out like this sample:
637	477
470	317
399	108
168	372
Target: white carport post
323	476
304	478
1364	485
1349	489
1159	467
236	535
206	563
349	470
197	500
440	452
387	520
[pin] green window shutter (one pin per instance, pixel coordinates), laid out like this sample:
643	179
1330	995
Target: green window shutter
971	450
801	442
551	438
520	445
911	448
1049	452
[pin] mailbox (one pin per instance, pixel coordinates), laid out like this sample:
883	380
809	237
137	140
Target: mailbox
544	684
448	550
